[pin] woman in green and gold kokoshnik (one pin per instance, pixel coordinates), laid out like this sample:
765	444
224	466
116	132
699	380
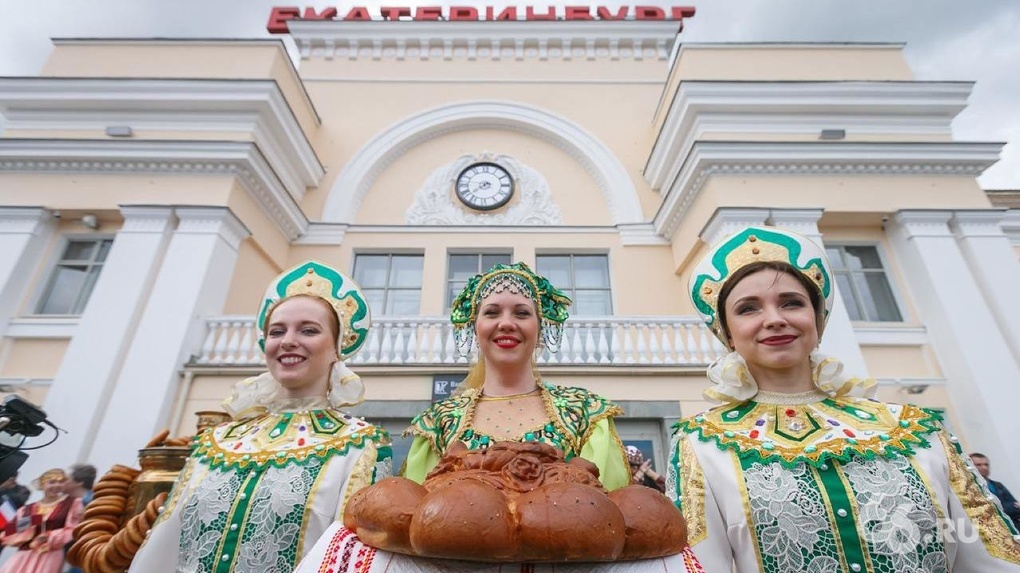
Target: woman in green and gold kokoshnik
258	491
797	470
510	313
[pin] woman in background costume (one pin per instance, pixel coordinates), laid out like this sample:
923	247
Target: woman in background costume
259	490
39	530
796	470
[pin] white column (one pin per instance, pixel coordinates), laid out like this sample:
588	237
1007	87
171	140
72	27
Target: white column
988	252
839	339
976	360
77	400
24	232
193	282
729	220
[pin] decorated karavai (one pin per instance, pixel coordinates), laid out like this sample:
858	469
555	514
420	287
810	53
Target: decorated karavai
259	490
798	468
510	314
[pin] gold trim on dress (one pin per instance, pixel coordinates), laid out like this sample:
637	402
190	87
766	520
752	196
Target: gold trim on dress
692	493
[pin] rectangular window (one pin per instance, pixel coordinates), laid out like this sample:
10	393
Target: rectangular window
462	266
391	283
74	277
584	278
863	283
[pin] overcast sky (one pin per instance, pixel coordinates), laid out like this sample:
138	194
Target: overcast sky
973	40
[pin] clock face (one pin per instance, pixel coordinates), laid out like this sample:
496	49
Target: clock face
484	186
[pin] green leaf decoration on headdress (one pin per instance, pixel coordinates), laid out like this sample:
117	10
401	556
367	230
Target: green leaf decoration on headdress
550	302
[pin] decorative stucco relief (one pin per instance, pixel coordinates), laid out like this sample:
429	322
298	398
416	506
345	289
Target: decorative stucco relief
435	202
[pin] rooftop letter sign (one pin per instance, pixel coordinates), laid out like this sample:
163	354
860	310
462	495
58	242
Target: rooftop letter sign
280	15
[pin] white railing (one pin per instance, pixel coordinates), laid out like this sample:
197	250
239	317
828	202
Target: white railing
428	341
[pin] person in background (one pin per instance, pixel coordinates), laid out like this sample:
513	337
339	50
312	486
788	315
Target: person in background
1009	503
42	528
642	472
83	477
14	492
799	469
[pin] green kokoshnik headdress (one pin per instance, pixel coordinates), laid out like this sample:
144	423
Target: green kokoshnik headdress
751	245
517	278
339	290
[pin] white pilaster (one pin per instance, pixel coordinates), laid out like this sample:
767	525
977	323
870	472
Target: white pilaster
77	401
24	232
839	339
193	281
979	366
990	255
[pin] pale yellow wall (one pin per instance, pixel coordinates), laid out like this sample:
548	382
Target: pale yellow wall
138	134
32	357
803	62
571	187
618	115
35	394
794	62
184	59
264	232
89	192
252	273
901	362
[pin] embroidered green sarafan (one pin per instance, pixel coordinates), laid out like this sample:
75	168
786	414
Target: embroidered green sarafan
832	429
572	413
283	439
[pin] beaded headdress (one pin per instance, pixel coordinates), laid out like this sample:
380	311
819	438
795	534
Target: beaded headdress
756	244
517	278
339	290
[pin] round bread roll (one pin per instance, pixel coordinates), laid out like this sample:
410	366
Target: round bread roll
469	520
654	525
549	516
381	515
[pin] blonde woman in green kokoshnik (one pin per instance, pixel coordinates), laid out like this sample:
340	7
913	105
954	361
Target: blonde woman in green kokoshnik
259	490
798	469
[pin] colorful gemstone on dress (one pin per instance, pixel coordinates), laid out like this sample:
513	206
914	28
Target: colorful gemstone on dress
699	419
768	445
863	414
237	446
849	434
810	449
728	434
274	433
833	422
791	412
319	448
904	423
796	425
883	437
281	454
753	434
529	437
302	427
301	441
851	441
732	414
760	422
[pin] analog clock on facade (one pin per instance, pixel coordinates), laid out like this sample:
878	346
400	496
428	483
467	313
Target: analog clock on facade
484	186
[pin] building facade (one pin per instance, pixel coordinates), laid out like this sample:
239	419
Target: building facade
150	189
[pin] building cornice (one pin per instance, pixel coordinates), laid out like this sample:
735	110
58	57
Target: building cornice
708	158
697	108
240	159
254	109
1011	226
486	40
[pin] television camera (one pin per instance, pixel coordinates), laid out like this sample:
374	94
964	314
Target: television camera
19	420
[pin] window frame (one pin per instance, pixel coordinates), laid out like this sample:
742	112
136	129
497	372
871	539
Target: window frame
571	292
886	268
479	253
53	261
389	269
